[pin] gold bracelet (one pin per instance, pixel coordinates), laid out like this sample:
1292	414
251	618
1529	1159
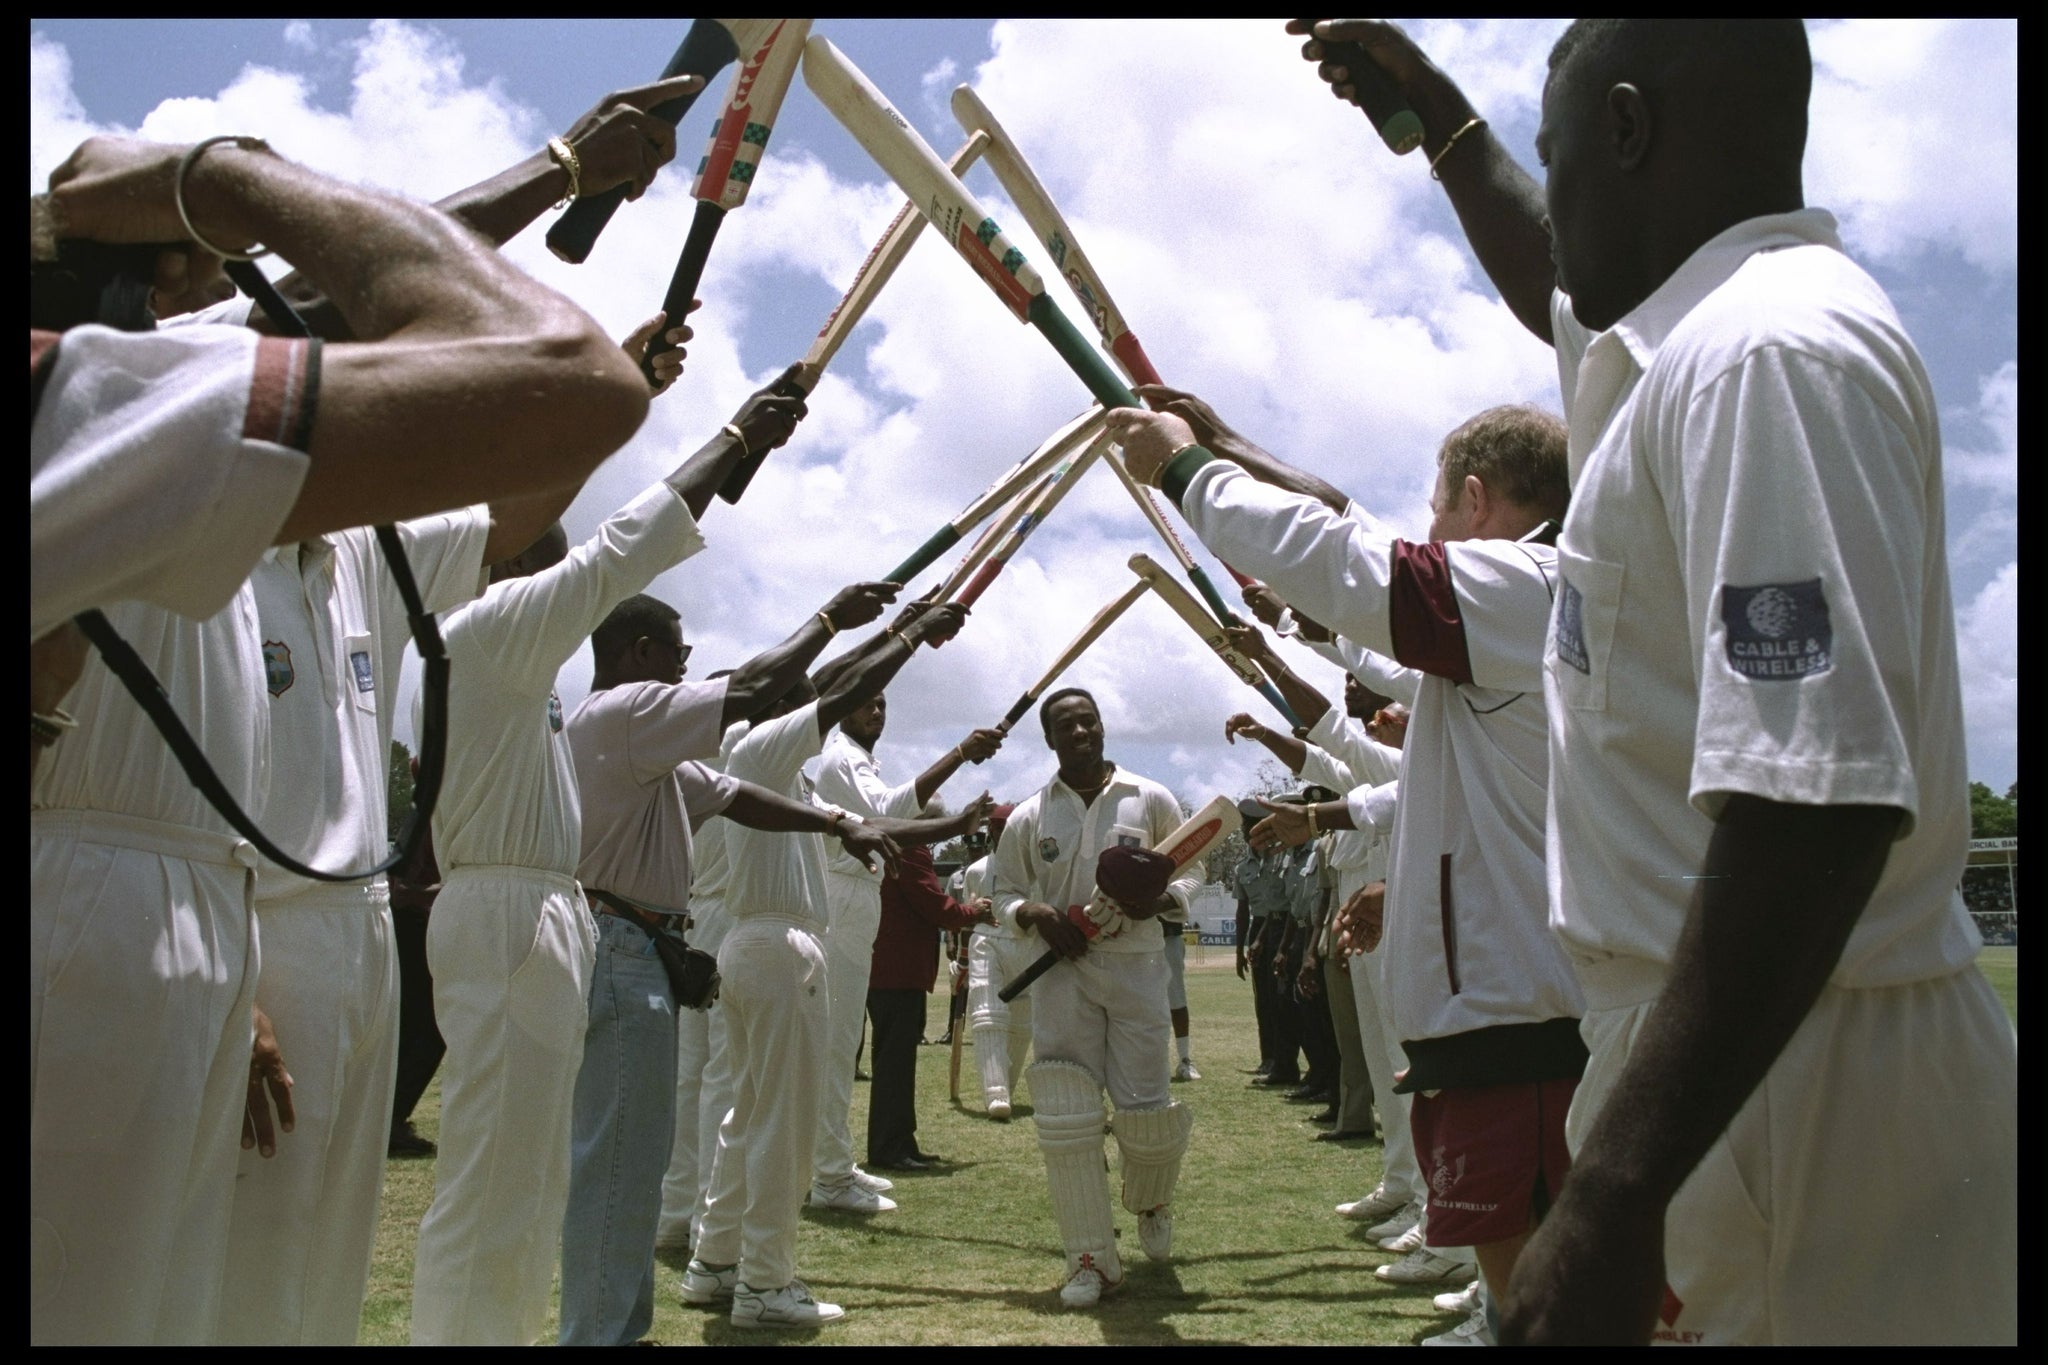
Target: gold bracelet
247	144
732	429
46	728
830	629
1313	832
565	156
1469	126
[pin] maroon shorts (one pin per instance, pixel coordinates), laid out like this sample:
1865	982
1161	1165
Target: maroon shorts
1485	1153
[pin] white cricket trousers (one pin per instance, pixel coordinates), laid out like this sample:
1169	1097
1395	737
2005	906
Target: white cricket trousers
854	905
1383	1060
1001	1032
1106	1011
775	1003
511	951
142	968
1868	1191
704	1077
305	1221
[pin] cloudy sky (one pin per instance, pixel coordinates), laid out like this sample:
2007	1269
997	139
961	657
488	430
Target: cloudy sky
1271	254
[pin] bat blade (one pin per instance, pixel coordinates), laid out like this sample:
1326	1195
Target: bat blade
1041	507
896	147
1190	611
708	48
1099	623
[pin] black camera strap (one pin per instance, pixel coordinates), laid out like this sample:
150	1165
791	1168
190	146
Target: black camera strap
143	685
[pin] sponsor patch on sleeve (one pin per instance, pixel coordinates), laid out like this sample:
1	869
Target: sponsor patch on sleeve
1776	630
1571	626
365	676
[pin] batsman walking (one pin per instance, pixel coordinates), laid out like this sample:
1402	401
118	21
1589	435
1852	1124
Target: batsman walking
1099	1020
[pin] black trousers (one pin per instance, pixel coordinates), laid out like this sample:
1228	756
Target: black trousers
898	1026
1318	1037
1285	1024
419	1039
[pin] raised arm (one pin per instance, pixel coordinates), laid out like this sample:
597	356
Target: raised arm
1291	752
1500	205
769	675
878	660
1307	702
479	383
757	807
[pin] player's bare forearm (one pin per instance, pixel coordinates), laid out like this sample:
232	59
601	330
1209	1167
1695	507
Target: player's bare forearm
1306	701
1782	888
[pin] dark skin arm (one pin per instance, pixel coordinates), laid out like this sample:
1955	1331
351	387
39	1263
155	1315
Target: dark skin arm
939	829
1288	824
766	420
1499	204
880	658
1244	914
1220	440
756	807
1310	977
978	747
616	143
1290	751
54	665
1307	703
767	676
1781	889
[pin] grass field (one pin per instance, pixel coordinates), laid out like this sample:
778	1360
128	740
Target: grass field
972	1258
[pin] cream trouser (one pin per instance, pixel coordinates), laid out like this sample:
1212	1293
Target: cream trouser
305	1221
1867	1193
703	1094
775	1004
1106	1011
1383	1058
1001	1033
142	968
511	951
855	906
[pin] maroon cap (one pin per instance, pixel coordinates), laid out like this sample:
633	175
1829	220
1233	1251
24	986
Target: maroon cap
1134	876
998	814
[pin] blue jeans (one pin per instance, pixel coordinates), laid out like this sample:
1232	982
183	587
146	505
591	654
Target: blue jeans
624	1123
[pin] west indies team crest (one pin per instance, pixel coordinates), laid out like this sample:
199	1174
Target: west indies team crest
554	713
278	676
1049	849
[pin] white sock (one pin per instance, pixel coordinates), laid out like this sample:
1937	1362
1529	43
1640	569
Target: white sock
1182	1043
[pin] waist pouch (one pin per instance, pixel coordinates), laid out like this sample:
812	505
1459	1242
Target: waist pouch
692	972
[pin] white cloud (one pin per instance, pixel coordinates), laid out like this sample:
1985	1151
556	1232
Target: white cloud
1915	139
298	35
1987	640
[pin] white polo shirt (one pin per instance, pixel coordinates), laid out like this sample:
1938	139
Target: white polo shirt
510	797
850	778
334	632
1051	842
1754	597
162	464
775	873
1467	938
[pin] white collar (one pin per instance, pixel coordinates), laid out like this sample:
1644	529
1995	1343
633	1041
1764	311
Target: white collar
1649	323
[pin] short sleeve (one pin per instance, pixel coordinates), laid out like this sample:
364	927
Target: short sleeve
669	725
706	792
1802	514
162	465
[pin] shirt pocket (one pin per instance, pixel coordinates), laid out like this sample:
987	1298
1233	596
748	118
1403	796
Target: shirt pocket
359	672
1582	628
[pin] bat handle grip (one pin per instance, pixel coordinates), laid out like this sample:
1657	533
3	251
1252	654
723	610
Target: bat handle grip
577	230
1396	123
1045	963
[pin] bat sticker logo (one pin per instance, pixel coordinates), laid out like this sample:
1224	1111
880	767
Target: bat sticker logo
1197	838
1057	245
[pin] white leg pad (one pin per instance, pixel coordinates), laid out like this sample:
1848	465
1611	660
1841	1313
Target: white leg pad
1067	1107
992	1060
1152	1142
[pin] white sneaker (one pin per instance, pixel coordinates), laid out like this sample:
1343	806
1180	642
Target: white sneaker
868	1180
850	1198
707	1284
999	1110
1186	1071
1423	1266
790	1306
1407	1240
1471	1332
1407	1217
1086	1286
1463	1301
1155	1233
1376	1207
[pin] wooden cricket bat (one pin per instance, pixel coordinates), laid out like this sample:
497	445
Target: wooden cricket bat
709	47
887	254
1152	575
1193	838
1090	633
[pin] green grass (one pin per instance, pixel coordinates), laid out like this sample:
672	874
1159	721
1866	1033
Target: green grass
971	1257
2001	967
